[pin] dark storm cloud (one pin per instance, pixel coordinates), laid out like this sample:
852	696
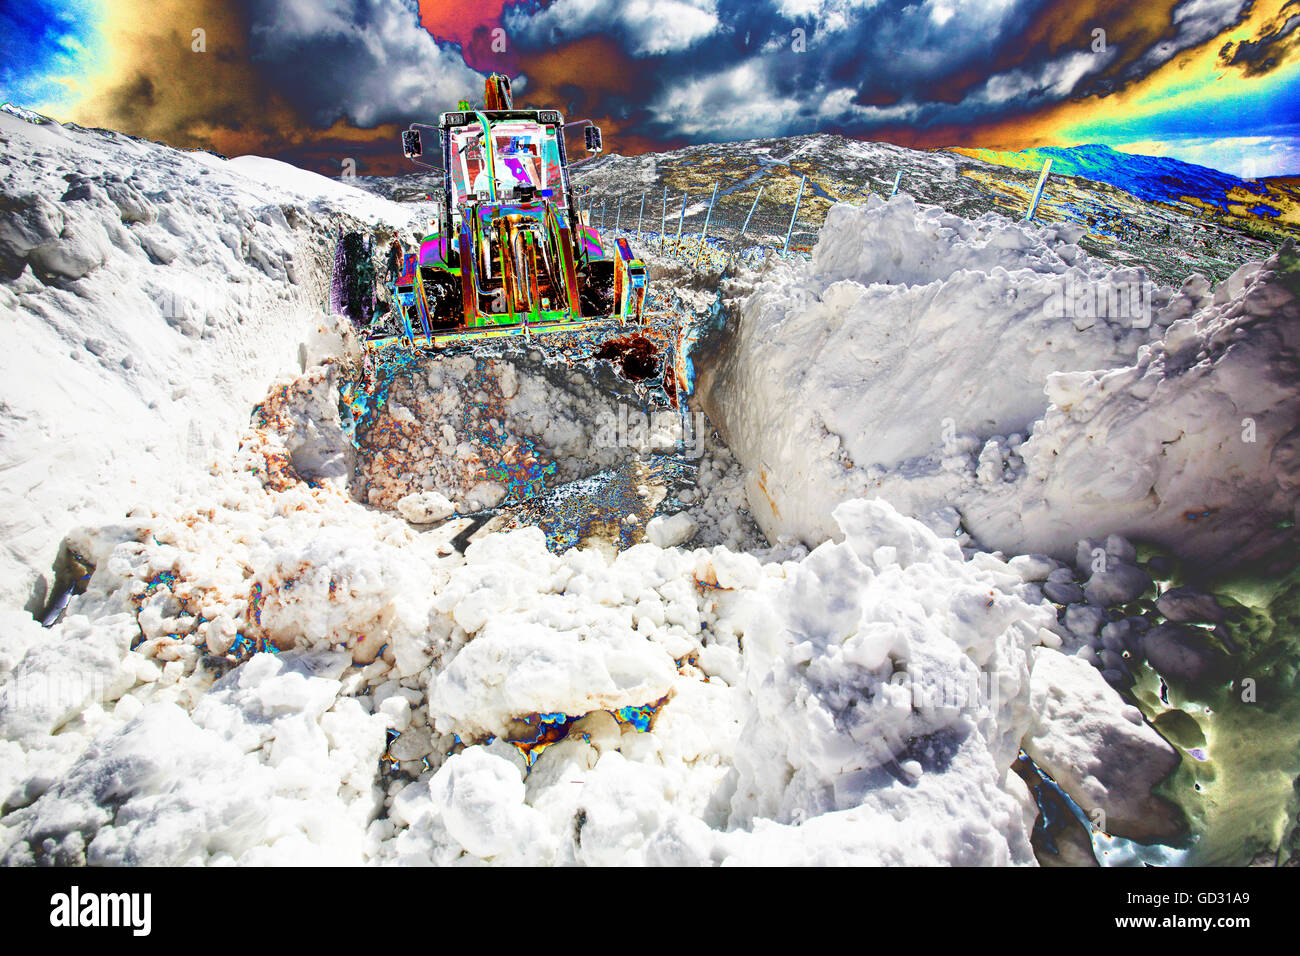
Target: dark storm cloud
1264	54
137	97
367	61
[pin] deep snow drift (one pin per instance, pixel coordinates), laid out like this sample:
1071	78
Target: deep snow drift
267	667
989	373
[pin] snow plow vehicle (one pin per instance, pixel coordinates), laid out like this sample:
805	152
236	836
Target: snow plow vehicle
510	252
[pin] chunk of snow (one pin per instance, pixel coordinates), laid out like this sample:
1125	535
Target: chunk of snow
1084	736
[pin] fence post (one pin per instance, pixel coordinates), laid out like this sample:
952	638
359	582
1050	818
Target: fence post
1038	190
603	204
798	196
707	216
677	242
618	215
639	217
663	222
752	207
898	178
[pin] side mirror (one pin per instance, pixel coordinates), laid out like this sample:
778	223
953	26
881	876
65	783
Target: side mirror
411	143
592	134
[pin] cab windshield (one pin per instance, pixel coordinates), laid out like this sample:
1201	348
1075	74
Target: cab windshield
516	153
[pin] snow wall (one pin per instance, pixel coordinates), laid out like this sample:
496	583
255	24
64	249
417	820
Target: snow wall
990	378
149	296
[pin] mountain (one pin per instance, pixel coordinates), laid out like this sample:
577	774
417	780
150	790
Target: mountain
1160	179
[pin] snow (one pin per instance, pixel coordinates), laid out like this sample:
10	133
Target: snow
980	376
264	668
911	332
873	688
271	768
669	531
282	177
1191	446
1099	749
538	652
150	295
747	746
425	507
818	776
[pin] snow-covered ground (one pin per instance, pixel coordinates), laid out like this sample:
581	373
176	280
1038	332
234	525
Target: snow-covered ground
271	665
783	694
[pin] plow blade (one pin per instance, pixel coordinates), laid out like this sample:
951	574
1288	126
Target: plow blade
654	349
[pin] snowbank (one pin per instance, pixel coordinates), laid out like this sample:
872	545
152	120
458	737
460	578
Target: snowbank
824	661
272	767
150	294
1194	446
947	365
875	687
908	326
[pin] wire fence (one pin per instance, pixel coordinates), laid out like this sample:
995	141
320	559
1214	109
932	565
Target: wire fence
736	222
668	223
720	221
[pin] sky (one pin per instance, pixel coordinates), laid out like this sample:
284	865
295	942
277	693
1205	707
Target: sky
318	82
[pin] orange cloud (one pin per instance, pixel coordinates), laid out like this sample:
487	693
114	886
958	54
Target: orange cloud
578	79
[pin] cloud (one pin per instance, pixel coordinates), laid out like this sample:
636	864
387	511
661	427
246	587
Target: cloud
1275	44
305	77
1147	41
646	27
863	65
367	60
737	103
276	81
1053	80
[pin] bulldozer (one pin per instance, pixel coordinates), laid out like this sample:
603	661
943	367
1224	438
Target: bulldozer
510	252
